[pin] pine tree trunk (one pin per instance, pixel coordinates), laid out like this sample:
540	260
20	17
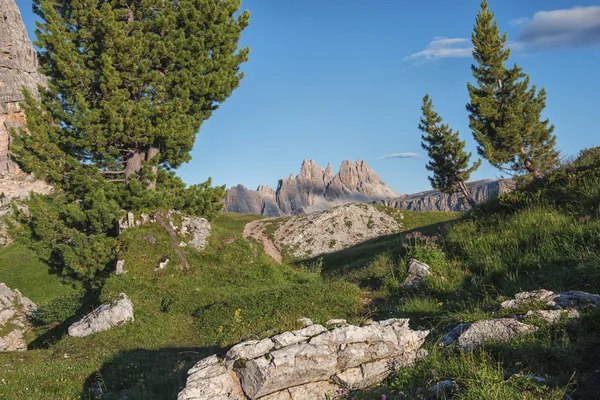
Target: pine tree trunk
467	195
150	154
133	164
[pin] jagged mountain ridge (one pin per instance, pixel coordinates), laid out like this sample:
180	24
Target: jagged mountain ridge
433	200
314	189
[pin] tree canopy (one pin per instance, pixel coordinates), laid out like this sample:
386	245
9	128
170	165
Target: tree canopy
504	112
447	157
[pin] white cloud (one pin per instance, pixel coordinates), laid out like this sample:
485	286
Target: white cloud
442	47
574	27
401	155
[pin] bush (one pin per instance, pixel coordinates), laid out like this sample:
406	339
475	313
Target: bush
59	309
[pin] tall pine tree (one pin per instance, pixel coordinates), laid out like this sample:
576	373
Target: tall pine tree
133	80
505	114
448	160
130	83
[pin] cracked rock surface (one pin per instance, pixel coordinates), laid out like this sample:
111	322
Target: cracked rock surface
306	364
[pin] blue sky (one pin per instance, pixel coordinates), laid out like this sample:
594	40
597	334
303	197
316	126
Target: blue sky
332	80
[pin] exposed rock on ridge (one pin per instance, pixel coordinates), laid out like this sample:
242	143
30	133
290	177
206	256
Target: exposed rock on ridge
18	69
434	200
314	189
306	364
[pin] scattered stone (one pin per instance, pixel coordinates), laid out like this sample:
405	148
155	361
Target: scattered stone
104	317
577	299
150	239
418	268
199	228
305	321
525	299
230	241
162	264
416	272
120	267
411	282
182	244
495	330
281	368
554	316
336	322
14	312
454	334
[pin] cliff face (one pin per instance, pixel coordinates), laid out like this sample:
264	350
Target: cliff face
436	201
314	189
18	69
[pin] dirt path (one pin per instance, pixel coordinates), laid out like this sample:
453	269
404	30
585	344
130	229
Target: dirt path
255	231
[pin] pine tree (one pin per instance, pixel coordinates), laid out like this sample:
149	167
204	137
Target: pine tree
448	160
133	80
130	83
505	114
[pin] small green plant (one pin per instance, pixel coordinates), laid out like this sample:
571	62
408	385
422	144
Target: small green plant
59	309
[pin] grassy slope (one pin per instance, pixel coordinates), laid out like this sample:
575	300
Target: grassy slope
21	269
232	292
548	238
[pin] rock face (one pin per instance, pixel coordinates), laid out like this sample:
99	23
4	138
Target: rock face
434	200
308	235
18	69
198	229
14	310
558	307
306	364
314	189
105	317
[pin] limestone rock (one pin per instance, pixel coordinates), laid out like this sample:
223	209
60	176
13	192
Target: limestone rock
198	228
495	330
120	269
434	200
105	317
14	310
577	299
454	334
525	299
416	272
18	69
305	321
313	189
309	235
418	268
554	316
283	368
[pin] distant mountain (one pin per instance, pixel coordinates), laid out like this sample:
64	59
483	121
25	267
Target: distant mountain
434	200
314	189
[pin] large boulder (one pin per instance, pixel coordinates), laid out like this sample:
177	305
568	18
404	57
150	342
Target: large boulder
14	310
105	317
306	364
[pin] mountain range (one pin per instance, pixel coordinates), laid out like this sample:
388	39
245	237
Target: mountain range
316	189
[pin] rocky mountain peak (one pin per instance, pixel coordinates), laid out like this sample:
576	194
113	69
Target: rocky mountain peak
18	69
313	189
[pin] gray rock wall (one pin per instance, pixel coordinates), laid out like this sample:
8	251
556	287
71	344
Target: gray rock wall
18	69
314	189
434	200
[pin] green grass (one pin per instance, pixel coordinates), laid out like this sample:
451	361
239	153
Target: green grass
360	255
547	236
232	292
21	269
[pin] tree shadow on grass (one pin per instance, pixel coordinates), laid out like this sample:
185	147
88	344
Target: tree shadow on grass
144	374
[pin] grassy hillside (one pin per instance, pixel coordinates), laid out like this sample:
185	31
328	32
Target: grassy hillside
545	236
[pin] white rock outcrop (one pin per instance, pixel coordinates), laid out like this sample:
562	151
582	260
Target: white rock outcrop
306	364
14	310
105	317
196	228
